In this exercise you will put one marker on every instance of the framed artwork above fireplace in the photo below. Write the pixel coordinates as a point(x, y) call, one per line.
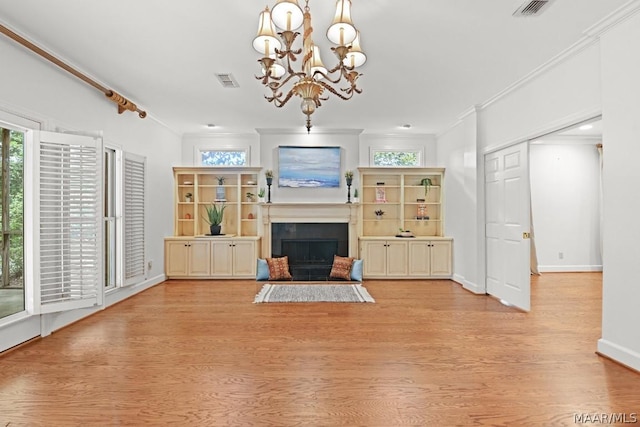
point(307, 167)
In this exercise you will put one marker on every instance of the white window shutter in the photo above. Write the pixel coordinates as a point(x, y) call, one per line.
point(133, 219)
point(70, 208)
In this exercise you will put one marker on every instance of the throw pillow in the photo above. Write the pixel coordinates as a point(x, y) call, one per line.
point(356, 270)
point(341, 268)
point(279, 268)
point(262, 272)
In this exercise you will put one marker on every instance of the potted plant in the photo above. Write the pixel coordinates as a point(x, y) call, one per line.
point(188, 197)
point(349, 177)
point(426, 183)
point(356, 199)
point(250, 196)
point(214, 217)
point(379, 213)
point(261, 193)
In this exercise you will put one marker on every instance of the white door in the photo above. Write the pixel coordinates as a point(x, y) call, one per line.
point(507, 225)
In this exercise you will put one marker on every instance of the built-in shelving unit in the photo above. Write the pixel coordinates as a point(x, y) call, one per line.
point(228, 186)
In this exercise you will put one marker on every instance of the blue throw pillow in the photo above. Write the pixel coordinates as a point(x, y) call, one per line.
point(356, 270)
point(262, 272)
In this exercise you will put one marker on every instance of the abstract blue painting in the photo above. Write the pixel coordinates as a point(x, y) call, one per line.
point(304, 167)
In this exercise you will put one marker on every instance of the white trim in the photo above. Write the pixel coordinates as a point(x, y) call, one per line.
point(569, 268)
point(620, 354)
point(623, 13)
point(315, 131)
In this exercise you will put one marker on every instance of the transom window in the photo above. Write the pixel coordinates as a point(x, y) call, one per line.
point(229, 157)
point(394, 157)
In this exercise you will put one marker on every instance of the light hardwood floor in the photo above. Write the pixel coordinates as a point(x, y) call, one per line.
point(426, 353)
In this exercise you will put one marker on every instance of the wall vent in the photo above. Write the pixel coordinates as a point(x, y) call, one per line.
point(227, 80)
point(532, 8)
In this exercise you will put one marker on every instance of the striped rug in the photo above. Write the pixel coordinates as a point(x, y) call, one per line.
point(271, 292)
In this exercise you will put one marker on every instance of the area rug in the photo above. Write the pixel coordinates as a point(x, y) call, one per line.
point(271, 292)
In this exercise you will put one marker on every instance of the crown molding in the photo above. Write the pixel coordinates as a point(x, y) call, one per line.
point(289, 131)
point(623, 13)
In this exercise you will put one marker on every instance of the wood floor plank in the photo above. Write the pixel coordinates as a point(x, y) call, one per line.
point(426, 353)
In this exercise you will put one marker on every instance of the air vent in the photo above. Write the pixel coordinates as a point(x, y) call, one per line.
point(532, 8)
point(227, 80)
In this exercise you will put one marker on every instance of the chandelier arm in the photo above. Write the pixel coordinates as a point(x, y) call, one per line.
point(277, 101)
point(336, 93)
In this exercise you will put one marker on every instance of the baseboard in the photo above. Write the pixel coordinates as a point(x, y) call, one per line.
point(569, 268)
point(470, 286)
point(619, 354)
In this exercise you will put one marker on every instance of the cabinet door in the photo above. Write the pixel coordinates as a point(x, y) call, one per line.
point(441, 258)
point(419, 259)
point(199, 258)
point(396, 258)
point(244, 258)
point(221, 258)
point(374, 255)
point(176, 258)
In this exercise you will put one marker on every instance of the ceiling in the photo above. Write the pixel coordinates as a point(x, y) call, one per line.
point(428, 61)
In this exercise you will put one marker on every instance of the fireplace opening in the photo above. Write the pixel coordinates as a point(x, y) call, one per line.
point(310, 247)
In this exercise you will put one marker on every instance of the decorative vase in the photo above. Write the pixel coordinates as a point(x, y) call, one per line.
point(378, 216)
point(220, 194)
point(215, 229)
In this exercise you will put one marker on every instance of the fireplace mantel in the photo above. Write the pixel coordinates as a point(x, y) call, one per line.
point(309, 212)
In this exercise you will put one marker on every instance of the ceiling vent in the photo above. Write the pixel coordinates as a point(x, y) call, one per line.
point(532, 8)
point(227, 80)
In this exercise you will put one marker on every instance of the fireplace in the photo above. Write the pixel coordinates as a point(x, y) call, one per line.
point(310, 247)
point(280, 221)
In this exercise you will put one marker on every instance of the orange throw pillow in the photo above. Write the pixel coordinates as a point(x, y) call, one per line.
point(279, 268)
point(341, 268)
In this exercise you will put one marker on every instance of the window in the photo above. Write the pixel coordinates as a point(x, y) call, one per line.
point(134, 229)
point(229, 157)
point(395, 157)
point(12, 296)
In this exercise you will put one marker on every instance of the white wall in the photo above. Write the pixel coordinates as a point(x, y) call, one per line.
point(621, 122)
point(565, 200)
point(34, 88)
point(456, 152)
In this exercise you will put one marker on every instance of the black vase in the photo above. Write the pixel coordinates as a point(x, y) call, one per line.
point(215, 229)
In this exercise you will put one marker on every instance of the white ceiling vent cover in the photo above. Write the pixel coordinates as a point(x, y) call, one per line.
point(227, 80)
point(532, 8)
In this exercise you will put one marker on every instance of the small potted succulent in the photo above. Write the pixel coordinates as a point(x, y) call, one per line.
point(188, 197)
point(250, 197)
point(261, 193)
point(356, 199)
point(379, 213)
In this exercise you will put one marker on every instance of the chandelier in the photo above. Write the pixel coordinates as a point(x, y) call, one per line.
point(313, 78)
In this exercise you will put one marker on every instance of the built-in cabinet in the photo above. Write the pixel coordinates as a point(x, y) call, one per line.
point(191, 253)
point(409, 258)
point(211, 257)
point(411, 199)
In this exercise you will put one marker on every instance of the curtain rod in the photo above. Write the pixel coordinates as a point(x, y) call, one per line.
point(122, 102)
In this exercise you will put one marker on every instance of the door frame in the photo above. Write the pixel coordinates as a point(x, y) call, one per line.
point(553, 127)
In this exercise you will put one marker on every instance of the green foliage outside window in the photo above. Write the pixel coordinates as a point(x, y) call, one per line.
point(14, 230)
point(395, 158)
